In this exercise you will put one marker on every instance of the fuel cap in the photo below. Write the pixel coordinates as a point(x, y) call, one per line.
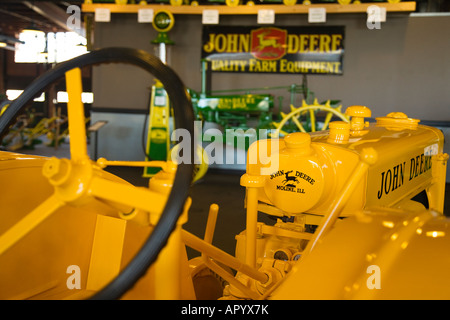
point(339, 132)
point(298, 142)
point(399, 120)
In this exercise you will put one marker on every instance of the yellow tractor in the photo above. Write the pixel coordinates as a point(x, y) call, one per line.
point(347, 224)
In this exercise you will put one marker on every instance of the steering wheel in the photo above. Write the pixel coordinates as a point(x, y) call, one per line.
point(79, 179)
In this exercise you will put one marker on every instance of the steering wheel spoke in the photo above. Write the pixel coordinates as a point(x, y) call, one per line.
point(75, 110)
point(29, 222)
point(129, 197)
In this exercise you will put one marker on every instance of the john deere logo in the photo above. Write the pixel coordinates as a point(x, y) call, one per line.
point(268, 43)
point(295, 191)
point(290, 180)
point(289, 50)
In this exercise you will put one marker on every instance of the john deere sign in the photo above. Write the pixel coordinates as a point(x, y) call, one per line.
point(306, 50)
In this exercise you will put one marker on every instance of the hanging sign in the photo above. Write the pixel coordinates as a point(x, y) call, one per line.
point(287, 50)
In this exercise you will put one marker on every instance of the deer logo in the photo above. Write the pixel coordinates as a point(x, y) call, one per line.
point(267, 42)
point(289, 178)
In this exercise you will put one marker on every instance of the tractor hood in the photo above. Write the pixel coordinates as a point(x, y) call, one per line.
point(377, 254)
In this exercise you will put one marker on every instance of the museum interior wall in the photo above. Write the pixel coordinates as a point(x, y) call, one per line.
point(403, 66)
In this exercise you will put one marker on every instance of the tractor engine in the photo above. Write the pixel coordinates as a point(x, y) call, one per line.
point(315, 180)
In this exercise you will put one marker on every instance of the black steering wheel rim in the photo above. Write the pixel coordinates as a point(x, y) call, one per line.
point(184, 118)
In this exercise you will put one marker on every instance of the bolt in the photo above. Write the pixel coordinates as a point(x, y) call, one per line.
point(56, 170)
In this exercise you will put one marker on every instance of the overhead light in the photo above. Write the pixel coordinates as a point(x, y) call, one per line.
point(3, 44)
point(32, 29)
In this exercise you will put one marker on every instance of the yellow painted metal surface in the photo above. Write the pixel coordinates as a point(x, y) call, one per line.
point(311, 176)
point(390, 254)
point(38, 265)
point(366, 173)
point(75, 111)
point(106, 253)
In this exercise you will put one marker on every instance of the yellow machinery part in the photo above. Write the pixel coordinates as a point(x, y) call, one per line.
point(295, 114)
point(388, 254)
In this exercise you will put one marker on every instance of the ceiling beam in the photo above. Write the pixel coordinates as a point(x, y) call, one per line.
point(22, 17)
point(57, 15)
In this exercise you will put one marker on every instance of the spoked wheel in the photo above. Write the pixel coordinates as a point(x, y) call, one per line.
point(79, 180)
point(296, 113)
point(345, 2)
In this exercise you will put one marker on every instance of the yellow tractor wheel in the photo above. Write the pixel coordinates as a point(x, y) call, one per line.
point(289, 2)
point(232, 3)
point(296, 113)
point(176, 2)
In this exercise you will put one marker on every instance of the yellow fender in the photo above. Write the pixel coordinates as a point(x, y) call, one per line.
point(378, 254)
